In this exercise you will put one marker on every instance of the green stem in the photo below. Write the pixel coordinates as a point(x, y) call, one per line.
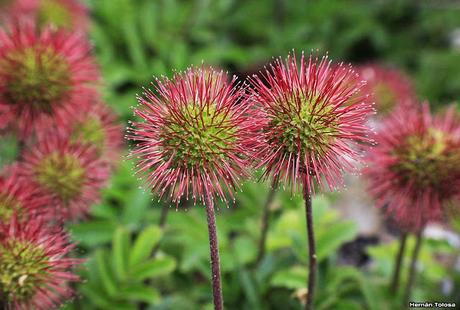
point(215, 260)
point(398, 264)
point(413, 268)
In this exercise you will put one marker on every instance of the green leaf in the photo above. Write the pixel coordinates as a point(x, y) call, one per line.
point(120, 249)
point(329, 240)
point(294, 278)
point(93, 233)
point(106, 277)
point(144, 244)
point(158, 267)
point(139, 293)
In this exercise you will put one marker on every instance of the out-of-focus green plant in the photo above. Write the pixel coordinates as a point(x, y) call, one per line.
point(115, 278)
point(136, 39)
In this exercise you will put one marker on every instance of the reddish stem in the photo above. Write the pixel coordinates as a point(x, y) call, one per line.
point(215, 261)
point(311, 249)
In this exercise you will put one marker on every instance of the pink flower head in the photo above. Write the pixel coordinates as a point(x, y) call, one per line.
point(97, 126)
point(35, 268)
point(18, 198)
point(44, 77)
point(313, 116)
point(66, 14)
point(195, 135)
point(69, 175)
point(415, 168)
point(388, 88)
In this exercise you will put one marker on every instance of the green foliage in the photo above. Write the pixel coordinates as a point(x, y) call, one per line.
point(136, 39)
point(121, 277)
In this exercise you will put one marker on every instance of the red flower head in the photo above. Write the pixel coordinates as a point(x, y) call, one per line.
point(67, 14)
point(313, 115)
point(195, 135)
point(44, 77)
point(35, 269)
point(69, 175)
point(388, 88)
point(415, 168)
point(97, 126)
point(18, 198)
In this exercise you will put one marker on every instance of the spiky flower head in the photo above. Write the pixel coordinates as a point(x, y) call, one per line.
point(44, 77)
point(64, 14)
point(97, 126)
point(195, 135)
point(313, 116)
point(388, 87)
point(18, 198)
point(35, 268)
point(415, 168)
point(69, 175)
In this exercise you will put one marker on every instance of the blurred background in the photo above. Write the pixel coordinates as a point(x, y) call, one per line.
point(135, 40)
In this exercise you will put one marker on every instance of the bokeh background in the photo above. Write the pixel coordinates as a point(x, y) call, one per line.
point(135, 40)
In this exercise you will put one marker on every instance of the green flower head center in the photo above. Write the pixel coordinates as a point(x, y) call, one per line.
point(385, 97)
point(23, 266)
point(55, 13)
point(36, 77)
point(90, 131)
point(8, 206)
point(426, 161)
point(5, 3)
point(61, 174)
point(304, 128)
point(203, 136)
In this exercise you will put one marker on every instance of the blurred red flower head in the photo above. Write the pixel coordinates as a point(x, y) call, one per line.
point(195, 136)
point(18, 198)
point(44, 77)
point(415, 168)
point(64, 14)
point(35, 268)
point(96, 125)
point(70, 176)
point(312, 116)
point(388, 87)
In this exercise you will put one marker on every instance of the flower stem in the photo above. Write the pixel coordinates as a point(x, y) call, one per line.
point(413, 265)
point(311, 249)
point(215, 261)
point(265, 221)
point(398, 264)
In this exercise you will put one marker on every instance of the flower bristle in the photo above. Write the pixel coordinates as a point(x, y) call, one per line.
point(45, 77)
point(196, 135)
point(415, 168)
point(313, 117)
point(35, 267)
point(388, 88)
point(70, 176)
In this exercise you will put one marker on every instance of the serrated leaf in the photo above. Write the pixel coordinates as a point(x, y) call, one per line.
point(144, 244)
point(139, 293)
point(329, 240)
point(106, 276)
point(295, 278)
point(158, 267)
point(93, 233)
point(120, 249)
